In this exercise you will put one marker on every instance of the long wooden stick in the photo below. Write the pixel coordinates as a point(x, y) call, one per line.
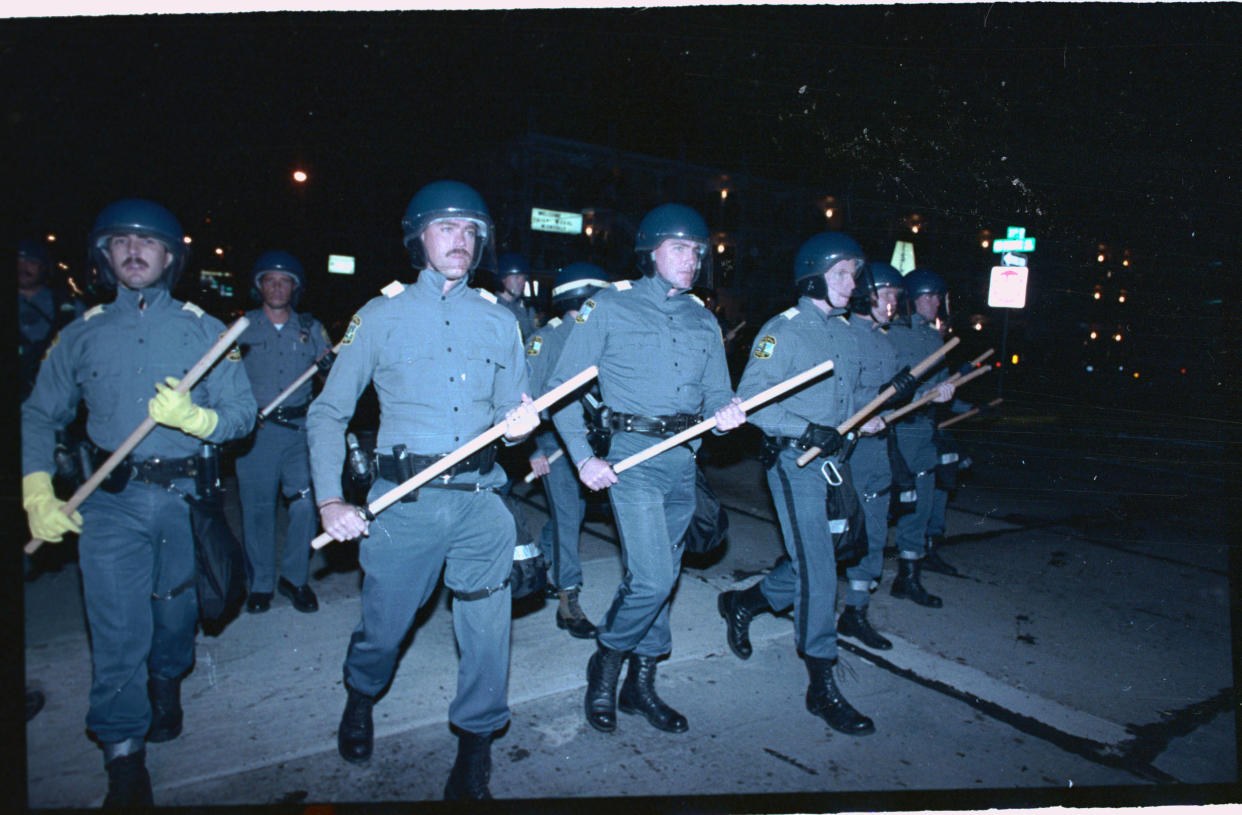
point(560, 451)
point(297, 383)
point(956, 380)
point(148, 424)
point(477, 443)
point(707, 424)
point(963, 416)
point(884, 396)
point(977, 361)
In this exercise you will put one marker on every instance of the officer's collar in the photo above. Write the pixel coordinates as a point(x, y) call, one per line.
point(153, 296)
point(657, 287)
point(808, 304)
point(432, 282)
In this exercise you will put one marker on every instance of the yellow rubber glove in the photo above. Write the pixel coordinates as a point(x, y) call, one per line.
point(175, 409)
point(47, 522)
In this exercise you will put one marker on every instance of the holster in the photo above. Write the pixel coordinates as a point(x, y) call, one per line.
point(403, 465)
point(769, 451)
point(599, 429)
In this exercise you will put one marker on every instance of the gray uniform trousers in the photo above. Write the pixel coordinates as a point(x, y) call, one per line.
point(652, 504)
point(914, 440)
point(136, 553)
point(872, 476)
point(471, 535)
point(277, 463)
point(560, 535)
point(808, 580)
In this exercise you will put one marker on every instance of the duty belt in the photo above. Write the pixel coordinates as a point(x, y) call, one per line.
point(285, 415)
point(163, 471)
point(396, 470)
point(652, 425)
point(790, 441)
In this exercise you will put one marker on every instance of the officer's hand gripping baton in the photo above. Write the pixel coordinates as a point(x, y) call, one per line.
point(702, 427)
point(560, 451)
point(297, 383)
point(148, 424)
point(964, 416)
point(957, 380)
point(477, 443)
point(884, 396)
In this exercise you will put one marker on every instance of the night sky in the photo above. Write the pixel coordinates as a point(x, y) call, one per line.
point(1084, 123)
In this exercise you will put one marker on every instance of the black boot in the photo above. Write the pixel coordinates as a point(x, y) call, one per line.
point(932, 561)
point(825, 700)
point(906, 584)
point(570, 617)
point(638, 695)
point(165, 695)
point(356, 736)
point(129, 785)
point(737, 608)
point(603, 670)
point(853, 623)
point(468, 779)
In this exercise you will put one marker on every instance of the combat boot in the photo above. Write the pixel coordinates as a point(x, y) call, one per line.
point(603, 670)
point(356, 736)
point(853, 623)
point(638, 695)
point(906, 584)
point(129, 784)
point(932, 561)
point(824, 699)
point(570, 617)
point(165, 696)
point(470, 773)
point(737, 608)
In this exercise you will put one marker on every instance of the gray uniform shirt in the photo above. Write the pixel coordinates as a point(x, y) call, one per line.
point(793, 341)
point(112, 357)
point(524, 314)
point(878, 355)
point(657, 356)
point(275, 357)
point(913, 344)
point(543, 349)
point(446, 367)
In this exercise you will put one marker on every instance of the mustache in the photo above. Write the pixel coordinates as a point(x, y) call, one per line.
point(137, 263)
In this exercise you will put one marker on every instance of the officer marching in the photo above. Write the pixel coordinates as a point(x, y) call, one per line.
point(135, 548)
point(573, 286)
point(447, 363)
point(512, 274)
point(661, 364)
point(277, 347)
point(803, 336)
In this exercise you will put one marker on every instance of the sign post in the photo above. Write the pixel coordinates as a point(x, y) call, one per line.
point(1008, 285)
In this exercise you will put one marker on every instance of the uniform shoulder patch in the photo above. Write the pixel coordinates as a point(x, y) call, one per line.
point(765, 347)
point(536, 344)
point(696, 299)
point(234, 354)
point(393, 289)
point(193, 309)
point(351, 329)
point(584, 313)
point(92, 312)
point(554, 322)
point(790, 312)
point(622, 285)
point(487, 295)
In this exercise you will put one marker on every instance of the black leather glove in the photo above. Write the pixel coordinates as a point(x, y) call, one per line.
point(324, 363)
point(826, 438)
point(905, 384)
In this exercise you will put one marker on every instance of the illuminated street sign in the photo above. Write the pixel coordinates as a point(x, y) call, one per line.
point(1015, 241)
point(340, 264)
point(550, 220)
point(903, 257)
point(1008, 288)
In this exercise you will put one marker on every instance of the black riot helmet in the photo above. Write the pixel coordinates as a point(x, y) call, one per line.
point(819, 254)
point(877, 275)
point(443, 200)
point(283, 263)
point(925, 281)
point(575, 283)
point(673, 221)
point(141, 217)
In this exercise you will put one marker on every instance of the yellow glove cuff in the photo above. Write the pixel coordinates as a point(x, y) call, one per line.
point(203, 422)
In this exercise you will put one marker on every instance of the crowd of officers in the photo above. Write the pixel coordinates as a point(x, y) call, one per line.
point(448, 362)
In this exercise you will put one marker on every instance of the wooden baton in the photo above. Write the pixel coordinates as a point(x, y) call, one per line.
point(477, 443)
point(148, 424)
point(956, 380)
point(560, 451)
point(963, 416)
point(707, 424)
point(297, 383)
point(881, 398)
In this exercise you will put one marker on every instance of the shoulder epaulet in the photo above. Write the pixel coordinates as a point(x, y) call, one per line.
point(790, 312)
point(487, 295)
point(696, 299)
point(193, 309)
point(554, 322)
point(622, 285)
point(91, 312)
point(392, 289)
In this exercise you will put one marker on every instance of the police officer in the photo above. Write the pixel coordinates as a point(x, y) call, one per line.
point(925, 290)
point(799, 338)
point(277, 348)
point(573, 286)
point(513, 272)
point(446, 362)
point(135, 547)
point(42, 309)
point(661, 363)
point(878, 299)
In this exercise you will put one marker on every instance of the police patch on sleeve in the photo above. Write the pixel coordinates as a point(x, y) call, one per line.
point(765, 347)
point(536, 343)
point(352, 329)
point(234, 354)
point(585, 311)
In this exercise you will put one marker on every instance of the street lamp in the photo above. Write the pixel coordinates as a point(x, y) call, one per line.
point(299, 176)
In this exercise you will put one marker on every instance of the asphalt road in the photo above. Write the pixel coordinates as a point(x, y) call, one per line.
point(1084, 658)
